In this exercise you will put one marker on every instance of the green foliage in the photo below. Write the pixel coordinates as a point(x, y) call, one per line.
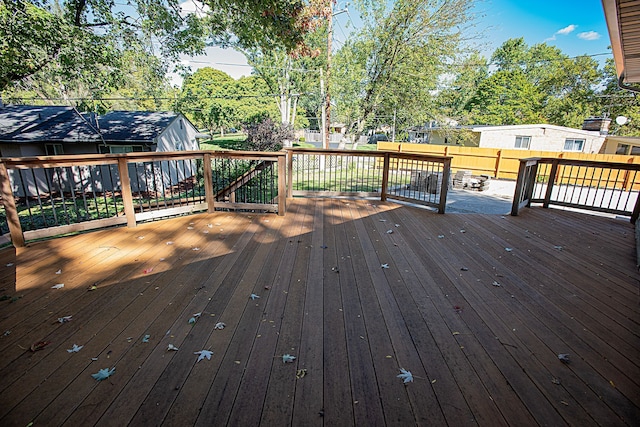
point(266, 135)
point(532, 84)
point(92, 48)
point(395, 61)
point(213, 100)
point(506, 97)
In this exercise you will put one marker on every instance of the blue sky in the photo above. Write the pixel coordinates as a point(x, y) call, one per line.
point(576, 27)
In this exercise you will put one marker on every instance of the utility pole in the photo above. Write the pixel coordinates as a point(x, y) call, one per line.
point(327, 100)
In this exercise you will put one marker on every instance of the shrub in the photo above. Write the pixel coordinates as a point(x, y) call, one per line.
point(266, 135)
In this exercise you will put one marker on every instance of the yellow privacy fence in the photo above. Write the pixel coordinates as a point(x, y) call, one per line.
point(498, 163)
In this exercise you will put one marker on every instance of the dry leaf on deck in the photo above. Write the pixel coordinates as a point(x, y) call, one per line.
point(406, 376)
point(203, 353)
point(103, 374)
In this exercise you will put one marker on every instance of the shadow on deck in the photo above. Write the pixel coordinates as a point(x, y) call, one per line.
point(476, 307)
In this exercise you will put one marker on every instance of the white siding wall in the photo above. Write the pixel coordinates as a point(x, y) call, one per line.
point(542, 138)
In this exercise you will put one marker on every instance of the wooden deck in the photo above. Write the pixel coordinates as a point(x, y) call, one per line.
point(476, 307)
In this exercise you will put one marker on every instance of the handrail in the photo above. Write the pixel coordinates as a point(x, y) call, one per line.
point(52, 195)
point(71, 193)
point(608, 187)
point(415, 178)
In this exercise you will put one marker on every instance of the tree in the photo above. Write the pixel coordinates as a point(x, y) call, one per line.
point(394, 62)
point(266, 135)
point(506, 98)
point(80, 45)
point(619, 102)
point(460, 86)
point(214, 100)
point(562, 90)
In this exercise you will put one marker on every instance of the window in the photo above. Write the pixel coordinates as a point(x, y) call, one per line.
point(573, 144)
point(523, 142)
point(622, 149)
point(118, 149)
point(53, 149)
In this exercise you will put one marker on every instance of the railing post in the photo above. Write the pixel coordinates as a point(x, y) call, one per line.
point(551, 182)
point(127, 196)
point(385, 177)
point(208, 183)
point(13, 220)
point(524, 185)
point(498, 159)
point(290, 174)
point(444, 186)
point(282, 185)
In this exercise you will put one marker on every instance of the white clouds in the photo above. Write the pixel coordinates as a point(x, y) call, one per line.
point(566, 30)
point(585, 35)
point(193, 6)
point(562, 31)
point(589, 35)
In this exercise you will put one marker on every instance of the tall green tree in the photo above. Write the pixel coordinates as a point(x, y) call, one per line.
point(213, 100)
point(393, 63)
point(82, 46)
point(561, 90)
point(506, 97)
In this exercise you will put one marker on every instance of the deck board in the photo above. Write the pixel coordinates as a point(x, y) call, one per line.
point(480, 353)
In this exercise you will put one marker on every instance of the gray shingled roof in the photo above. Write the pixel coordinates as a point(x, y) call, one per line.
point(25, 124)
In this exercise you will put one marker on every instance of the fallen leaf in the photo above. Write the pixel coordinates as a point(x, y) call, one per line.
point(406, 376)
point(76, 348)
point(103, 374)
point(172, 347)
point(203, 354)
point(384, 265)
point(219, 325)
point(58, 286)
point(64, 319)
point(287, 358)
point(39, 345)
point(254, 296)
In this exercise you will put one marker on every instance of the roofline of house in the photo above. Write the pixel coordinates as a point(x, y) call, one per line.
point(482, 128)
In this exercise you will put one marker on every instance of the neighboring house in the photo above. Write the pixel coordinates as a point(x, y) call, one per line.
point(625, 145)
point(540, 137)
point(37, 131)
point(54, 130)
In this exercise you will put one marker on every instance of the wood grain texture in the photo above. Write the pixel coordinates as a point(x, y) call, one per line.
point(477, 307)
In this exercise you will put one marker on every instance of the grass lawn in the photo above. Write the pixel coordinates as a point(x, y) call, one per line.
point(232, 141)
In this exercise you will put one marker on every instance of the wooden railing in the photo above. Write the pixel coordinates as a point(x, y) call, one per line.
point(587, 185)
point(413, 178)
point(46, 196)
